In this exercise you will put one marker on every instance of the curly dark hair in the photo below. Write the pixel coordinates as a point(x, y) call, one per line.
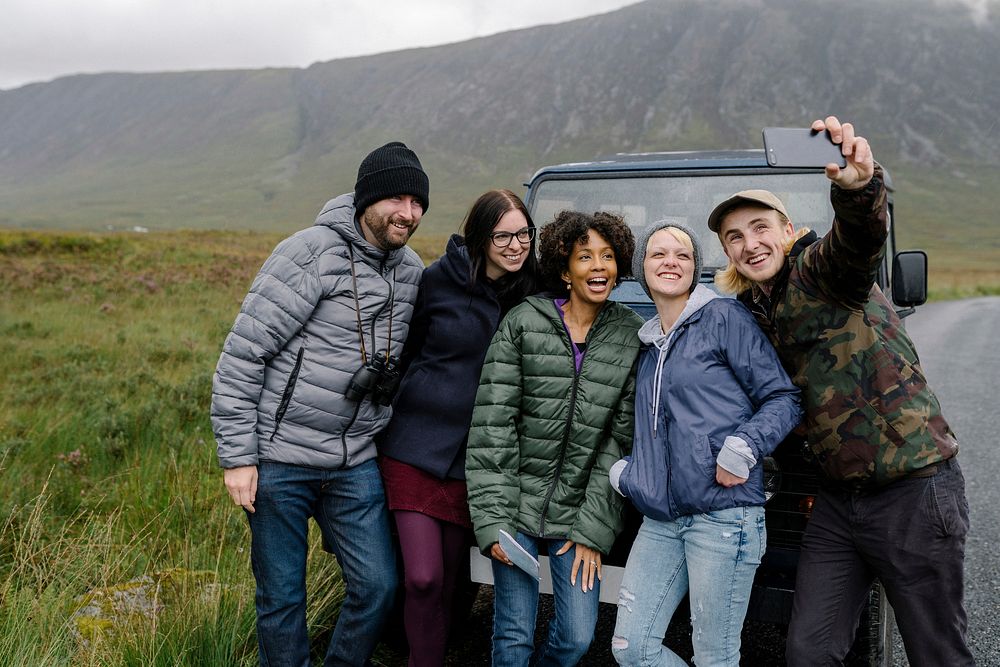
point(558, 238)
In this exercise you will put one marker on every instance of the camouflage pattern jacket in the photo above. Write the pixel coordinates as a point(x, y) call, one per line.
point(869, 415)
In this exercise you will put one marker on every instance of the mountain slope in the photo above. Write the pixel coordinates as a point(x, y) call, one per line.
point(263, 149)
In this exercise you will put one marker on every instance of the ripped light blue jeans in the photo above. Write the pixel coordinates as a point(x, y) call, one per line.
point(714, 556)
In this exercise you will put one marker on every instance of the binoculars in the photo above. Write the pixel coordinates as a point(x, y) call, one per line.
point(378, 379)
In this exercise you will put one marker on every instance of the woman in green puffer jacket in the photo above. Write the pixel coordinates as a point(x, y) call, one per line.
point(553, 413)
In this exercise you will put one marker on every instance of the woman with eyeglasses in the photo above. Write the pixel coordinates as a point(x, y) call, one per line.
point(553, 413)
point(463, 296)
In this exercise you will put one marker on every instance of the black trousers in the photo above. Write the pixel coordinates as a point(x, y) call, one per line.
point(911, 536)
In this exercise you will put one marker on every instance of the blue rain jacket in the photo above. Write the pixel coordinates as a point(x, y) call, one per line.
point(713, 375)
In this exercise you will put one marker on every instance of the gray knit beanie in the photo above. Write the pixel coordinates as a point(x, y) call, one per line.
point(642, 241)
point(390, 170)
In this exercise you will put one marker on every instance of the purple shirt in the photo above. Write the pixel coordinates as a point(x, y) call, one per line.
point(578, 350)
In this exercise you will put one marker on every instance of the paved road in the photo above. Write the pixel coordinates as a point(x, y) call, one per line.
point(959, 348)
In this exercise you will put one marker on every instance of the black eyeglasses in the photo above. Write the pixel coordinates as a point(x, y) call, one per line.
point(503, 239)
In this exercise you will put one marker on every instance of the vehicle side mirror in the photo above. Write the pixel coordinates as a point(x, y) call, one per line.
point(909, 278)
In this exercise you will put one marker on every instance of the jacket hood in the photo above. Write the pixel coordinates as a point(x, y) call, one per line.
point(542, 302)
point(652, 334)
point(339, 215)
point(806, 237)
point(456, 263)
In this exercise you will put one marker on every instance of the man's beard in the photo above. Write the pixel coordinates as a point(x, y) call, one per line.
point(378, 225)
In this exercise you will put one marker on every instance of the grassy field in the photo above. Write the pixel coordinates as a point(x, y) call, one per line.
point(951, 217)
point(107, 461)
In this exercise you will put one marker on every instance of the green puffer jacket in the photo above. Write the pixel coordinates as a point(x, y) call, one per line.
point(870, 417)
point(544, 437)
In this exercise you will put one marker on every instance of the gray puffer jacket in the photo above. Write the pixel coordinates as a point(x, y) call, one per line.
point(278, 390)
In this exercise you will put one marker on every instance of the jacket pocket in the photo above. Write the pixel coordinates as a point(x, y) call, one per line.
point(646, 480)
point(948, 508)
point(286, 395)
point(705, 456)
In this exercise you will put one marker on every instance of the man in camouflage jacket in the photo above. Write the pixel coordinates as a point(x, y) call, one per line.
point(892, 504)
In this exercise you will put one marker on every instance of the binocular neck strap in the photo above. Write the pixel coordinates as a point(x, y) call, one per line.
point(357, 310)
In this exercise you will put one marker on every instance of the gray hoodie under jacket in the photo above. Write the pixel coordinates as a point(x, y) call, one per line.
point(278, 390)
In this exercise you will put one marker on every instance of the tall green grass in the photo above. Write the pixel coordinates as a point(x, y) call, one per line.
point(107, 460)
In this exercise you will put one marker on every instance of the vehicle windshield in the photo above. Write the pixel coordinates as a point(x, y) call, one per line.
point(684, 199)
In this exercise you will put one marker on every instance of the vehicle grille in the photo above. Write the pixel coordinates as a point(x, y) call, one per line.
point(789, 508)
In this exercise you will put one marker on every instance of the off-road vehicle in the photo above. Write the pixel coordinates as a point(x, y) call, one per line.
point(684, 187)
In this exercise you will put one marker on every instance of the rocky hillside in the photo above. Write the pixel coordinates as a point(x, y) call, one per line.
point(263, 149)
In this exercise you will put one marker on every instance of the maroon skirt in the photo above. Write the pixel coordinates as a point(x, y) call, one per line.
point(413, 490)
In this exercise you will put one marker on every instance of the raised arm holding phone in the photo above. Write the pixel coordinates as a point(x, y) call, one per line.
point(892, 502)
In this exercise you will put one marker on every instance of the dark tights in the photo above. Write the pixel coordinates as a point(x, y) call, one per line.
point(432, 558)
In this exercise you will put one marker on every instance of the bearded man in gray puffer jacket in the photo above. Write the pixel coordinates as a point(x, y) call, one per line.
point(298, 397)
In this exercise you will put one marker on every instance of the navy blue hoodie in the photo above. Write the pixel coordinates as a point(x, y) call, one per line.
point(450, 332)
point(712, 376)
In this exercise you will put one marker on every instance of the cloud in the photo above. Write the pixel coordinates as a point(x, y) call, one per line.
point(979, 10)
point(43, 39)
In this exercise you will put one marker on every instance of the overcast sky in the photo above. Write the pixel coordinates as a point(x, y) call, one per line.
point(44, 39)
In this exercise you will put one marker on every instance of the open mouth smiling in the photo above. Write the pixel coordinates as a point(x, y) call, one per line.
point(597, 283)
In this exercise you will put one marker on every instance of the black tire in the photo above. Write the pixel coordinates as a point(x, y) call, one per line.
point(873, 641)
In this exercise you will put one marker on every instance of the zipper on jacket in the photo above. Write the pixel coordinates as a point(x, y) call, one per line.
point(286, 396)
point(343, 434)
point(378, 313)
point(388, 345)
point(569, 419)
point(562, 452)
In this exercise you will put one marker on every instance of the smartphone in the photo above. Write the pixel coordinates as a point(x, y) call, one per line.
point(800, 147)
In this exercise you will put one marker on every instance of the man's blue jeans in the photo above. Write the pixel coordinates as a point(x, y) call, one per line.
point(715, 556)
point(515, 610)
point(349, 506)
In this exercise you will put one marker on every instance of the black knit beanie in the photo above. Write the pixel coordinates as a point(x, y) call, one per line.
point(390, 170)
